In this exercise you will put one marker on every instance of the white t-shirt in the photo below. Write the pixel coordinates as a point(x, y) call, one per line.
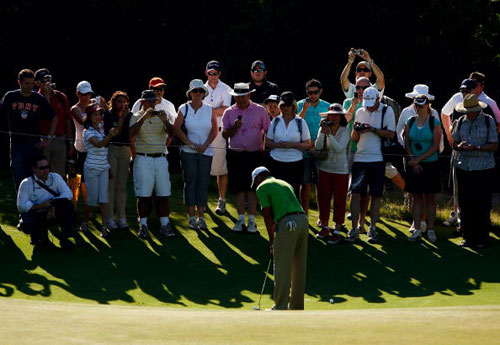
point(458, 97)
point(97, 157)
point(198, 125)
point(290, 133)
point(406, 113)
point(369, 144)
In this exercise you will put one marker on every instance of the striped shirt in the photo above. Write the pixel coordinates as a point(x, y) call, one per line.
point(97, 157)
point(151, 135)
point(475, 132)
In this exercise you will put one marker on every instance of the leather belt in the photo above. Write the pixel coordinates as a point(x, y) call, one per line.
point(152, 155)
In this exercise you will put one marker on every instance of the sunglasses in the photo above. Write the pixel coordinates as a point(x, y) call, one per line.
point(158, 88)
point(198, 91)
point(44, 167)
point(258, 70)
point(315, 92)
point(359, 87)
point(465, 91)
point(362, 69)
point(213, 74)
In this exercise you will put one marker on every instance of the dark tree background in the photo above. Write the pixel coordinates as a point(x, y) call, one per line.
point(120, 45)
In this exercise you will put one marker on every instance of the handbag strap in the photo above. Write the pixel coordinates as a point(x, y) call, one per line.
point(47, 188)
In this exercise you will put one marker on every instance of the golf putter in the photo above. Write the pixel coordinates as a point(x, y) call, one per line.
point(263, 285)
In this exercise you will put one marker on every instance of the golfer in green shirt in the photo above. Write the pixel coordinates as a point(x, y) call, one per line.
point(287, 227)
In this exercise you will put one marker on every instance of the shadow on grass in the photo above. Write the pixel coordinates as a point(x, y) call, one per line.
point(217, 267)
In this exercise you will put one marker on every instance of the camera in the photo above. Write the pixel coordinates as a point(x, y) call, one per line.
point(155, 113)
point(327, 123)
point(357, 51)
point(418, 146)
point(239, 117)
point(358, 126)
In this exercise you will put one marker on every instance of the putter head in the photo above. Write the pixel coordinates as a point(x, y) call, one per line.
point(255, 307)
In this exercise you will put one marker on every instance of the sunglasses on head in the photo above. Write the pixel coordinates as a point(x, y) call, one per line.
point(359, 87)
point(313, 92)
point(362, 69)
point(44, 167)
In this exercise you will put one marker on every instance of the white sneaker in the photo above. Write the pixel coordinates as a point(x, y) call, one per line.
point(412, 227)
point(431, 236)
point(104, 232)
point(353, 235)
point(415, 236)
point(192, 223)
point(451, 220)
point(252, 227)
point(239, 226)
point(111, 224)
point(423, 225)
point(221, 207)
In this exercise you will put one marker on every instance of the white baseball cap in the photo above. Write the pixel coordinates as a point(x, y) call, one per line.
point(84, 87)
point(256, 172)
point(370, 97)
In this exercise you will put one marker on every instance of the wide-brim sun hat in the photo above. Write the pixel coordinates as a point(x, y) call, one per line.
point(420, 89)
point(196, 84)
point(334, 108)
point(241, 89)
point(470, 104)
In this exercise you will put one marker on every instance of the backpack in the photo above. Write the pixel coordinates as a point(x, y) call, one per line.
point(297, 120)
point(391, 149)
point(394, 105)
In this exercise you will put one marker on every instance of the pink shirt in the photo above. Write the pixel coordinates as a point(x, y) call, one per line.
point(255, 123)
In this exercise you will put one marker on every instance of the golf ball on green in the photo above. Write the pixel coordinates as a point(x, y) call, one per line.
point(332, 301)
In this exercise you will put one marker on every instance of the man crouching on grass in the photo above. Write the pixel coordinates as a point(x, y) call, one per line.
point(287, 228)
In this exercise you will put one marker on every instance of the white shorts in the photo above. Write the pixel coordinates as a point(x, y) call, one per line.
point(151, 174)
point(390, 171)
point(219, 162)
point(96, 182)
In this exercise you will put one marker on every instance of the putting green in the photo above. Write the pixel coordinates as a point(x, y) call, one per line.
point(25, 322)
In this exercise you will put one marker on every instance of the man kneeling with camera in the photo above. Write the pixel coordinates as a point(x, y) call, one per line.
point(44, 199)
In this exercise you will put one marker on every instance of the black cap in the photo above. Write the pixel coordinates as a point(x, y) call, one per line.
point(468, 84)
point(272, 98)
point(258, 64)
point(214, 64)
point(148, 95)
point(42, 74)
point(287, 98)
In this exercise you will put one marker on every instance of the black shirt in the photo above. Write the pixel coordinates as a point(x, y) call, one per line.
point(23, 115)
point(110, 120)
point(263, 91)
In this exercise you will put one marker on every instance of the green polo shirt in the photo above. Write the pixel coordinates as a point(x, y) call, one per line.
point(278, 195)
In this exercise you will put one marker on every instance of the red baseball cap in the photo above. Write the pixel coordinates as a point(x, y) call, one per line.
point(156, 81)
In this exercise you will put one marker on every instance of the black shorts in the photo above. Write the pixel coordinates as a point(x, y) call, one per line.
point(426, 182)
point(240, 165)
point(291, 172)
point(80, 160)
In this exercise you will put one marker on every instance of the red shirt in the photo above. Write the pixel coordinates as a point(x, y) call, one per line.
point(60, 104)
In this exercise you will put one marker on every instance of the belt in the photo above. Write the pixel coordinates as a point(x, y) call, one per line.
point(119, 144)
point(290, 214)
point(152, 155)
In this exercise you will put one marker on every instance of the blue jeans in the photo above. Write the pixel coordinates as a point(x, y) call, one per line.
point(21, 160)
point(196, 170)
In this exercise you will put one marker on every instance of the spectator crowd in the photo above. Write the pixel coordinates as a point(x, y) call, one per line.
point(60, 152)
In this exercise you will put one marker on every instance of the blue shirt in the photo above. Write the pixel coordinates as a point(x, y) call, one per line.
point(424, 137)
point(312, 116)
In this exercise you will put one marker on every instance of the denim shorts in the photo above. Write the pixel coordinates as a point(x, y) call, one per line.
point(368, 174)
point(310, 170)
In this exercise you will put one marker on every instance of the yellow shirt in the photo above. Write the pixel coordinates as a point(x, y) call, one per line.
point(151, 136)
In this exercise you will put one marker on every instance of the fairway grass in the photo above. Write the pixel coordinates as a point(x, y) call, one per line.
point(25, 322)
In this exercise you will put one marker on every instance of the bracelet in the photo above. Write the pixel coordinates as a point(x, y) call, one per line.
point(370, 62)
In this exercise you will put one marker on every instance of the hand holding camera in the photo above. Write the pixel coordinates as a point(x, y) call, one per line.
point(362, 127)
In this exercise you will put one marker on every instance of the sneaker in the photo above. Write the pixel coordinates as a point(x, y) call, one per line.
point(239, 226)
point(104, 232)
point(372, 235)
point(452, 219)
point(353, 235)
point(362, 230)
point(349, 216)
point(252, 227)
point(202, 224)
point(412, 228)
point(415, 235)
point(344, 229)
point(111, 224)
point(166, 230)
point(143, 232)
point(192, 223)
point(84, 227)
point(324, 233)
point(431, 236)
point(423, 225)
point(221, 207)
point(122, 224)
point(333, 238)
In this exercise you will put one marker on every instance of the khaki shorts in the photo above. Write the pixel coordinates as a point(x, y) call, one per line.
point(219, 162)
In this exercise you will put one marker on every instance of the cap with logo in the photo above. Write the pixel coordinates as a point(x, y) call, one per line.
point(370, 97)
